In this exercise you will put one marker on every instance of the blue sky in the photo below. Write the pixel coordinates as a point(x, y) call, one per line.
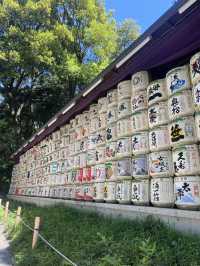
point(144, 12)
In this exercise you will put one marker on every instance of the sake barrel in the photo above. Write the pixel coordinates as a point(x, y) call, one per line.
point(195, 68)
point(124, 90)
point(140, 166)
point(111, 148)
point(112, 97)
point(79, 192)
point(196, 96)
point(110, 191)
point(124, 127)
point(140, 193)
point(123, 147)
point(159, 138)
point(102, 120)
point(123, 191)
point(102, 105)
point(83, 159)
point(124, 107)
point(65, 194)
point(98, 190)
point(111, 132)
point(124, 168)
point(158, 114)
point(101, 137)
point(88, 192)
point(92, 141)
point(93, 111)
point(111, 170)
point(93, 172)
point(94, 124)
point(139, 81)
point(112, 114)
point(139, 121)
point(186, 160)
point(178, 79)
point(162, 192)
point(140, 143)
point(187, 191)
point(160, 164)
point(77, 161)
point(91, 157)
point(139, 101)
point(100, 172)
point(100, 154)
point(156, 91)
point(180, 104)
point(197, 125)
point(182, 131)
point(83, 145)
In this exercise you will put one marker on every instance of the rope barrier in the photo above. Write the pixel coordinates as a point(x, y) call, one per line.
point(46, 242)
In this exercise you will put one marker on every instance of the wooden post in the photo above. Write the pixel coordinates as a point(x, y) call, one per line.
point(0, 202)
point(35, 232)
point(17, 219)
point(6, 210)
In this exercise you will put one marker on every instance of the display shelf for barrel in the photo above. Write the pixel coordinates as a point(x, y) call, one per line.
point(110, 191)
point(140, 167)
point(139, 121)
point(158, 114)
point(160, 164)
point(195, 68)
point(139, 101)
point(123, 191)
point(178, 79)
point(139, 81)
point(182, 131)
point(186, 160)
point(162, 192)
point(180, 104)
point(124, 90)
point(187, 191)
point(140, 193)
point(124, 168)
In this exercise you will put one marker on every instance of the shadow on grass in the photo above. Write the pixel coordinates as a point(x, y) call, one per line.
point(91, 240)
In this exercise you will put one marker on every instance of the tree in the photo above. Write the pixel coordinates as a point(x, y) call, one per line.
point(48, 49)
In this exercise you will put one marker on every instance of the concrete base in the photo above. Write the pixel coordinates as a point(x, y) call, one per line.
point(181, 220)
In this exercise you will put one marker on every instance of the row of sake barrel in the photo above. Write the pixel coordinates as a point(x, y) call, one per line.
point(181, 161)
point(163, 192)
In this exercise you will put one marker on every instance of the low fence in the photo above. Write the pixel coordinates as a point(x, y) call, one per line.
point(35, 230)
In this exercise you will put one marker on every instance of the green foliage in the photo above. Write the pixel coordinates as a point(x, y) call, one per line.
point(48, 48)
point(91, 240)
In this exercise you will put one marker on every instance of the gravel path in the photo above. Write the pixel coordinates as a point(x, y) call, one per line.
point(5, 255)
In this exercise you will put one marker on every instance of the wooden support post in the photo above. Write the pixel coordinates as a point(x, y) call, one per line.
point(0, 202)
point(6, 211)
point(35, 232)
point(17, 219)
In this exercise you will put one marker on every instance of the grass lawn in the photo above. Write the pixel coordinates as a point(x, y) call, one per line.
point(89, 239)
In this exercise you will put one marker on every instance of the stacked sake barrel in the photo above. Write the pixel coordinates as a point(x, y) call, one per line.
point(140, 139)
point(160, 157)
